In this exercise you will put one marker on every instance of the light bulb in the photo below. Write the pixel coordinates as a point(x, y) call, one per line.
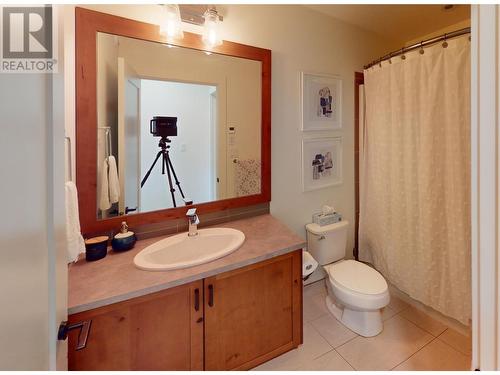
point(170, 24)
point(211, 28)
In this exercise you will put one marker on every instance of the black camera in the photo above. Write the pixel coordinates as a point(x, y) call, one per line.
point(161, 126)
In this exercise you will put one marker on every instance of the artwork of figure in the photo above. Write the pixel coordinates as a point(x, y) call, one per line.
point(322, 165)
point(325, 102)
point(321, 162)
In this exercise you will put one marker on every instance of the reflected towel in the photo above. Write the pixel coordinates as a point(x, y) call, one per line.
point(104, 203)
point(74, 239)
point(248, 177)
point(114, 183)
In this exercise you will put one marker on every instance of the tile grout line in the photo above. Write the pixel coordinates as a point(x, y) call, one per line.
point(455, 349)
point(319, 332)
point(349, 363)
point(434, 338)
point(422, 328)
point(333, 348)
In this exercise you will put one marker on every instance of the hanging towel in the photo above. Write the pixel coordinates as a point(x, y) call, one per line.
point(104, 203)
point(114, 183)
point(74, 239)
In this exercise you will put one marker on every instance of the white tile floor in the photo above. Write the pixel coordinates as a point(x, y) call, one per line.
point(411, 340)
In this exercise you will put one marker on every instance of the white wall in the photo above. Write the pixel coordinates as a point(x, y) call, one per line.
point(190, 151)
point(300, 39)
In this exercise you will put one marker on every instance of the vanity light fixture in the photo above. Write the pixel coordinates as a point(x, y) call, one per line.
point(170, 24)
point(211, 28)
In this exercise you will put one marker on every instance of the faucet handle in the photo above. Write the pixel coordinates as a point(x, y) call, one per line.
point(191, 212)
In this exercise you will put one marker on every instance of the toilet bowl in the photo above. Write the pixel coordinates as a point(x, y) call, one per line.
point(356, 295)
point(356, 291)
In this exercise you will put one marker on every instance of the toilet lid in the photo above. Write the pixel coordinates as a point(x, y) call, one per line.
point(357, 277)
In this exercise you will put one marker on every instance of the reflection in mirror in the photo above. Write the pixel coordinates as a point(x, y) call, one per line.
point(190, 118)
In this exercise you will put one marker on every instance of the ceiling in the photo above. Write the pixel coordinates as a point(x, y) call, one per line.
point(400, 23)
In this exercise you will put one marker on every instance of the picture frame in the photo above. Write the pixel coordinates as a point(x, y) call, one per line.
point(321, 102)
point(321, 162)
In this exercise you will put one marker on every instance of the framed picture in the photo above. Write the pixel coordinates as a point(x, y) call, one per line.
point(321, 162)
point(321, 102)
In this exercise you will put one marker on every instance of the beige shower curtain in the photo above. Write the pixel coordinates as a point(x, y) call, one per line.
point(415, 176)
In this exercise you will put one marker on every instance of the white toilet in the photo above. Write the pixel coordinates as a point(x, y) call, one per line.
point(356, 292)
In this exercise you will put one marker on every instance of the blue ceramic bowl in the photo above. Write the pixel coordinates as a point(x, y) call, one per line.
point(123, 244)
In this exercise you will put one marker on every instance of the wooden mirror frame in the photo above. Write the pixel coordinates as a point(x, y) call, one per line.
point(87, 24)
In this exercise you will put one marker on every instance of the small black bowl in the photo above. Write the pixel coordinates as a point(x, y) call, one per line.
point(96, 248)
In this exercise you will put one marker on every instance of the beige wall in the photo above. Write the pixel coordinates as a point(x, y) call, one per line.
point(448, 29)
point(301, 40)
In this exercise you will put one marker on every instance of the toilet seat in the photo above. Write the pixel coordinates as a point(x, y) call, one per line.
point(357, 277)
point(357, 285)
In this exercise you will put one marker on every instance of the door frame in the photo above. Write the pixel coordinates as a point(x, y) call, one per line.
point(485, 186)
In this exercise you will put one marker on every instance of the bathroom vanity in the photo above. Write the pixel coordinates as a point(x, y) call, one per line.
point(230, 314)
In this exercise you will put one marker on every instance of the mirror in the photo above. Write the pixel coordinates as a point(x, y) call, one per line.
point(216, 156)
point(175, 126)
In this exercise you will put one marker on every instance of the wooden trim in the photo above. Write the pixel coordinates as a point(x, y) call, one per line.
point(87, 24)
point(359, 79)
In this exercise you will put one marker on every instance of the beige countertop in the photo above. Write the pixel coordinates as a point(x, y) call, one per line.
point(115, 278)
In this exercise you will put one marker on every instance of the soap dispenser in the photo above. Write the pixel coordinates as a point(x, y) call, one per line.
point(125, 240)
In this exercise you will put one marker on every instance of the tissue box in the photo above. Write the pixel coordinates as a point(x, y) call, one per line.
point(325, 219)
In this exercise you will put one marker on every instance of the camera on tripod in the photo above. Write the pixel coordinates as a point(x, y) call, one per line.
point(162, 126)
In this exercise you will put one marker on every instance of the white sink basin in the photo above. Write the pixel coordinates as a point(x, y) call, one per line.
point(181, 251)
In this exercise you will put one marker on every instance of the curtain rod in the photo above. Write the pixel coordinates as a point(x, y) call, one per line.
point(423, 43)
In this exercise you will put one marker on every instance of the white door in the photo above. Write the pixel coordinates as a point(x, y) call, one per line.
point(129, 93)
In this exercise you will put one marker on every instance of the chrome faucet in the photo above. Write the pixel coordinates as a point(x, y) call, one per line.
point(193, 222)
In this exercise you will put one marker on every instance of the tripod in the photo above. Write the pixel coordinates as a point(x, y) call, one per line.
point(166, 164)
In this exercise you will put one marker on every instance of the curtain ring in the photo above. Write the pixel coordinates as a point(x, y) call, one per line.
point(390, 58)
point(380, 62)
point(403, 57)
point(421, 51)
point(445, 43)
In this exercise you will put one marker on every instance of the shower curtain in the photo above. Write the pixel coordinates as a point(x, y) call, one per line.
point(415, 176)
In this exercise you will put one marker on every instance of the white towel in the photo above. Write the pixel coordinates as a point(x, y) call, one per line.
point(74, 238)
point(104, 203)
point(114, 183)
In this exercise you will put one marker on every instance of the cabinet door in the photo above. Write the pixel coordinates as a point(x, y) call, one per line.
point(254, 313)
point(160, 331)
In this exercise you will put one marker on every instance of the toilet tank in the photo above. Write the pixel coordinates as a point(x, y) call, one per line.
point(327, 244)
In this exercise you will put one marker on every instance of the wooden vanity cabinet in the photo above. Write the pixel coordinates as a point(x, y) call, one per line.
point(231, 321)
point(253, 314)
point(159, 331)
